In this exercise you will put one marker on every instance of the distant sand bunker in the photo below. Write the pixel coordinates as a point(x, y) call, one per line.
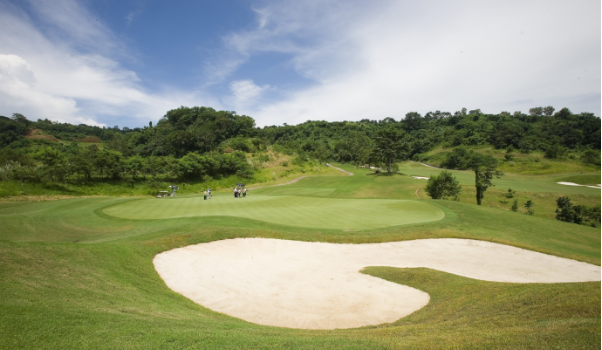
point(574, 184)
point(319, 286)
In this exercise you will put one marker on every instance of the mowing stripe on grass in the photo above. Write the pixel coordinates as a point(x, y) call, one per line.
point(328, 213)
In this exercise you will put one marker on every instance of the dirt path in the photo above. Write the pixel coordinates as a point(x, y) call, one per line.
point(430, 166)
point(283, 184)
point(298, 179)
point(343, 170)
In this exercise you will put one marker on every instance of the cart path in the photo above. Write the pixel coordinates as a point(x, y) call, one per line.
point(298, 179)
point(286, 183)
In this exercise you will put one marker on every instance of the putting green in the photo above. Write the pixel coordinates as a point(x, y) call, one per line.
point(327, 213)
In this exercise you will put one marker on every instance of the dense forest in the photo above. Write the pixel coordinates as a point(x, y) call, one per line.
point(193, 143)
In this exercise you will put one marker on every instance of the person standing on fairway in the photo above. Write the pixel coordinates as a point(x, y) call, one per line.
point(244, 191)
point(204, 195)
point(210, 196)
point(235, 192)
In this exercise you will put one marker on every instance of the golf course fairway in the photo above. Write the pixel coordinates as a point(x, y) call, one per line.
point(299, 211)
point(97, 272)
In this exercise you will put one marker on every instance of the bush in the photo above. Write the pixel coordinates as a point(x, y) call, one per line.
point(591, 157)
point(459, 158)
point(529, 205)
point(443, 186)
point(578, 214)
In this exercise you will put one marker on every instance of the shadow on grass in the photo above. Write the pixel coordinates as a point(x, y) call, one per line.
point(386, 174)
point(499, 315)
point(58, 187)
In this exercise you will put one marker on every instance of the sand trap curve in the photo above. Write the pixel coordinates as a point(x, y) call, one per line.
point(318, 285)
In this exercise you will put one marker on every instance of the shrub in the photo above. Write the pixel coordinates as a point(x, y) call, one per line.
point(529, 205)
point(578, 214)
point(443, 186)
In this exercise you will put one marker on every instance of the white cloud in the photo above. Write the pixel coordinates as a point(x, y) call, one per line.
point(245, 95)
point(54, 78)
point(246, 90)
point(386, 60)
point(18, 91)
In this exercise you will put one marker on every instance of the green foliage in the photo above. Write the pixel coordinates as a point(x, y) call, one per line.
point(11, 130)
point(529, 206)
point(578, 214)
point(591, 157)
point(443, 186)
point(514, 207)
point(390, 146)
point(156, 150)
point(460, 158)
point(485, 168)
point(354, 147)
point(509, 156)
point(510, 193)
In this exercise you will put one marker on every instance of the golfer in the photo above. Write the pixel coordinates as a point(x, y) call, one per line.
point(204, 195)
point(244, 191)
point(210, 196)
point(235, 192)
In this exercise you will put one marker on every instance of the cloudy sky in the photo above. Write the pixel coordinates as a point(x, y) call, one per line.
point(127, 62)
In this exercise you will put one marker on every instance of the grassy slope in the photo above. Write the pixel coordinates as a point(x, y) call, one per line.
point(103, 292)
point(541, 189)
point(533, 163)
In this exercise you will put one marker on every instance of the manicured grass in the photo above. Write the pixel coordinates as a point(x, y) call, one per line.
point(73, 276)
point(327, 213)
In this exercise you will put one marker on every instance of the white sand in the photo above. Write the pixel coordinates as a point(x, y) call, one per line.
point(420, 177)
point(318, 285)
point(574, 184)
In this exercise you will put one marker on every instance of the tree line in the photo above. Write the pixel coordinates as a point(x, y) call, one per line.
point(188, 142)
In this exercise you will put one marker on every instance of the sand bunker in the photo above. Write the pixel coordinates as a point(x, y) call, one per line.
point(319, 286)
point(574, 184)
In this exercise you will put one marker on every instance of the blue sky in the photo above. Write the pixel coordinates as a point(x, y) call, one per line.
point(127, 62)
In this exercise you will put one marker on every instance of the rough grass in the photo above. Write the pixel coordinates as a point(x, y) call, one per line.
point(525, 164)
point(74, 277)
point(543, 190)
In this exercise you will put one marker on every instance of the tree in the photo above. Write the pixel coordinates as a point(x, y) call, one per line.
point(390, 145)
point(509, 156)
point(578, 214)
point(20, 118)
point(548, 111)
point(413, 121)
point(514, 207)
point(591, 157)
point(529, 205)
point(54, 164)
point(485, 168)
point(358, 146)
point(536, 111)
point(443, 186)
point(564, 210)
